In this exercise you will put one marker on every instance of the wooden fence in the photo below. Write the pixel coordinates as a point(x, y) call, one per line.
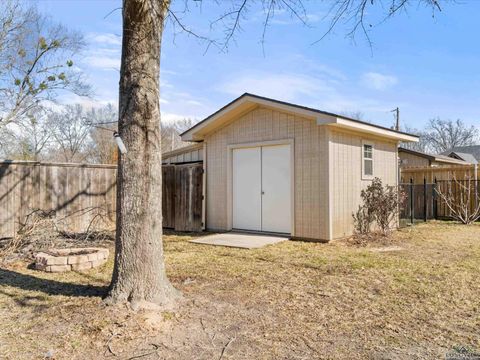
point(182, 195)
point(423, 201)
point(79, 196)
point(82, 197)
point(429, 174)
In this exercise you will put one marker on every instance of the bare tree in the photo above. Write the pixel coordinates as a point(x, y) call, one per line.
point(35, 61)
point(33, 135)
point(139, 272)
point(443, 135)
point(171, 139)
point(422, 145)
point(104, 122)
point(71, 133)
point(357, 115)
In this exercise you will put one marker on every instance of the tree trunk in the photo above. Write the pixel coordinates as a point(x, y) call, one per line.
point(139, 273)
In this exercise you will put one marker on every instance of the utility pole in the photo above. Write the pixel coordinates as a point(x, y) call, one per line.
point(397, 118)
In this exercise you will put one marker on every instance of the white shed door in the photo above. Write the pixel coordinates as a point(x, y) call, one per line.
point(276, 189)
point(247, 180)
point(261, 189)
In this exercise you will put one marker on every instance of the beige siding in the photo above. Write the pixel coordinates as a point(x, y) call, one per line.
point(310, 167)
point(346, 175)
point(413, 160)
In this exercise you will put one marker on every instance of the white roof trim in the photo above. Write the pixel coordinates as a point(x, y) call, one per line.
point(248, 102)
point(374, 130)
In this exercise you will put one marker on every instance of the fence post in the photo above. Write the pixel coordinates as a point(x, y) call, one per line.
point(424, 199)
point(434, 199)
point(412, 203)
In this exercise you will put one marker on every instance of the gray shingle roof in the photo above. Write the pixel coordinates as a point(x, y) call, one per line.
point(470, 154)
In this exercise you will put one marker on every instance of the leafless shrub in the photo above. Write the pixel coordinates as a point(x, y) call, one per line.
point(462, 199)
point(39, 225)
point(41, 230)
point(362, 220)
point(380, 206)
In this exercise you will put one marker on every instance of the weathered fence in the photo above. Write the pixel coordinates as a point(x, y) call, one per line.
point(182, 197)
point(424, 201)
point(78, 196)
point(429, 174)
point(82, 197)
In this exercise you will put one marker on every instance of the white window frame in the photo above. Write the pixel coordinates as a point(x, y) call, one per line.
point(365, 176)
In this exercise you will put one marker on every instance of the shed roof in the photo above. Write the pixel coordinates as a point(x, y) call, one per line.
point(247, 102)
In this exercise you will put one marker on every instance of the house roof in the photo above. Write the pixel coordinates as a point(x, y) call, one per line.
point(436, 158)
point(182, 150)
point(463, 156)
point(467, 153)
point(248, 102)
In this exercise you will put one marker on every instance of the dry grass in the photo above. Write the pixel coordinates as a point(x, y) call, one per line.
point(292, 300)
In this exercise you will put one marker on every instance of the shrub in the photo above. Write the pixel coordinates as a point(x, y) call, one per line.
point(362, 221)
point(380, 206)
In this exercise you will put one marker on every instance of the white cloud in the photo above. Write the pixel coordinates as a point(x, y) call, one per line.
point(288, 87)
point(102, 58)
point(103, 62)
point(324, 91)
point(377, 81)
point(105, 38)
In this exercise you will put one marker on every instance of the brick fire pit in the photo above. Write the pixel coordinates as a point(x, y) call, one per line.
point(61, 260)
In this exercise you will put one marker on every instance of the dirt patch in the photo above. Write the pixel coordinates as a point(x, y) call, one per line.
point(292, 300)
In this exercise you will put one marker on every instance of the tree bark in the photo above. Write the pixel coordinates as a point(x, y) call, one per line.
point(139, 275)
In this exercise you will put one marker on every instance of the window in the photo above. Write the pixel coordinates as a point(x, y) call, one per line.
point(367, 160)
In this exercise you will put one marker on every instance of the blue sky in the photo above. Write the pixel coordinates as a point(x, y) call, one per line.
point(427, 66)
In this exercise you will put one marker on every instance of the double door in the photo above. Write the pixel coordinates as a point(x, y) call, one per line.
point(262, 188)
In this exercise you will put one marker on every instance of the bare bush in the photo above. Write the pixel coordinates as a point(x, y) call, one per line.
point(462, 199)
point(380, 206)
point(362, 220)
point(41, 230)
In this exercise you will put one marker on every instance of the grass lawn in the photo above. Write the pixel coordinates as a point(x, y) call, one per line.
point(416, 297)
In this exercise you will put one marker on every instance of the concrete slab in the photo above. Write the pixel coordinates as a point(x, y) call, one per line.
point(239, 240)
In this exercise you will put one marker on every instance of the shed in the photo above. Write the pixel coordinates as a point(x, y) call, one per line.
point(277, 167)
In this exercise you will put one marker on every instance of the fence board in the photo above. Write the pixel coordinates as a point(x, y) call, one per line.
point(168, 196)
point(76, 192)
point(429, 174)
point(188, 201)
point(84, 196)
point(426, 203)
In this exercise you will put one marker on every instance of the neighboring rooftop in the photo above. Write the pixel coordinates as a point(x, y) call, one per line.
point(469, 154)
point(435, 158)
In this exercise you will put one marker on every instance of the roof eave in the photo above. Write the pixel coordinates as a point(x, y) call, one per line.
point(374, 130)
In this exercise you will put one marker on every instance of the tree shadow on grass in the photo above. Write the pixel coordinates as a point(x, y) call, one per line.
point(49, 287)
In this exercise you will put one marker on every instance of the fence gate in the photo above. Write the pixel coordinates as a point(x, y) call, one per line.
point(182, 197)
